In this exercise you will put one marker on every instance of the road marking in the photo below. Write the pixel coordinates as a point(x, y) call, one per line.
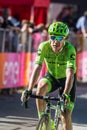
point(26, 123)
point(18, 122)
point(83, 96)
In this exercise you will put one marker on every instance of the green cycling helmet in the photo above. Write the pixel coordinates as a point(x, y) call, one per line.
point(58, 28)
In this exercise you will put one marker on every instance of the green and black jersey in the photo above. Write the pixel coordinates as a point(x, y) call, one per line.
point(57, 63)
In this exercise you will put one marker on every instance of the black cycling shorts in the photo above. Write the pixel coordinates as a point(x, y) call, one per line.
point(60, 84)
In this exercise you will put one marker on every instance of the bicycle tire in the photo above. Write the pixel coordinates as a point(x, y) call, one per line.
point(59, 124)
point(43, 123)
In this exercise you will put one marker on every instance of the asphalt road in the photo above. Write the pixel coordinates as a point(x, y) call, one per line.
point(15, 117)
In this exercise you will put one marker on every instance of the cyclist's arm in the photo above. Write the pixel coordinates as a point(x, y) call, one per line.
point(37, 68)
point(33, 79)
point(69, 80)
point(70, 70)
point(34, 76)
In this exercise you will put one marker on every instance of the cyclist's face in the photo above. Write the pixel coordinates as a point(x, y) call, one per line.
point(56, 43)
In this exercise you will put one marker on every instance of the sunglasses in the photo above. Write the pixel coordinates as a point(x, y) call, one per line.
point(58, 38)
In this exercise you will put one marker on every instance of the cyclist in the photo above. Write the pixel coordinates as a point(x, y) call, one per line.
point(60, 58)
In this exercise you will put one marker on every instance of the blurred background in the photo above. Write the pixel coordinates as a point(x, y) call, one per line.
point(23, 26)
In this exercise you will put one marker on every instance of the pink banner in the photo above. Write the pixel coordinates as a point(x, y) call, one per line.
point(16, 69)
point(10, 73)
point(82, 66)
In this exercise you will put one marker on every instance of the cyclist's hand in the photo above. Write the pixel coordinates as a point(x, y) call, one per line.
point(66, 99)
point(25, 95)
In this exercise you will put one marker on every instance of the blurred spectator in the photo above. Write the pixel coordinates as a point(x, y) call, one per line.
point(1, 21)
point(11, 35)
point(39, 28)
point(73, 39)
point(61, 14)
point(24, 35)
point(31, 31)
point(31, 27)
point(39, 35)
point(45, 34)
point(81, 24)
point(1, 34)
point(68, 17)
point(15, 20)
point(5, 14)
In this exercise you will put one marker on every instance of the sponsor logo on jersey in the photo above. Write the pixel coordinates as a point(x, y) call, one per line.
point(72, 57)
point(39, 52)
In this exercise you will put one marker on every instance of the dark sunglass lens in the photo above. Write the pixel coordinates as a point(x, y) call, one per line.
point(53, 37)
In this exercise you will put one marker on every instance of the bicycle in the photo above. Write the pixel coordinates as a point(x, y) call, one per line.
point(44, 122)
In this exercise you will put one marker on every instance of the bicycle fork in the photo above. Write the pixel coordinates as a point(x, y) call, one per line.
point(47, 112)
point(57, 116)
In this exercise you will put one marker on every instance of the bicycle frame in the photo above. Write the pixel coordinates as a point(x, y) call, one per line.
point(57, 109)
point(49, 106)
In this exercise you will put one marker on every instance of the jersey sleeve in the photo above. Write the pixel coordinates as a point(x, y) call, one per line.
point(40, 54)
point(71, 63)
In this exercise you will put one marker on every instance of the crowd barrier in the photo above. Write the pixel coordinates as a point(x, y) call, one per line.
point(8, 40)
point(16, 67)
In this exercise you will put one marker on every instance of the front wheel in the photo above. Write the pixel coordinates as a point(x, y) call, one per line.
point(43, 123)
point(58, 124)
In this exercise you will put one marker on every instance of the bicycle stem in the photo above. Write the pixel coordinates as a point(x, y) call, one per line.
point(48, 110)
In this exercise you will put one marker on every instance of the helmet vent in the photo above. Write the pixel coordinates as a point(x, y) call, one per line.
point(53, 29)
point(57, 27)
point(60, 30)
point(65, 31)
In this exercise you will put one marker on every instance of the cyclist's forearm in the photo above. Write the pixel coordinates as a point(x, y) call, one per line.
point(34, 77)
point(69, 81)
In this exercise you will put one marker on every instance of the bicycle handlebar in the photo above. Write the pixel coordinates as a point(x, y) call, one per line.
point(46, 98)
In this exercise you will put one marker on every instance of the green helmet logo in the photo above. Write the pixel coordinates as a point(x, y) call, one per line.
point(58, 28)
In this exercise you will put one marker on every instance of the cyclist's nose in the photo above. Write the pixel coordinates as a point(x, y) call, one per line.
point(56, 42)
